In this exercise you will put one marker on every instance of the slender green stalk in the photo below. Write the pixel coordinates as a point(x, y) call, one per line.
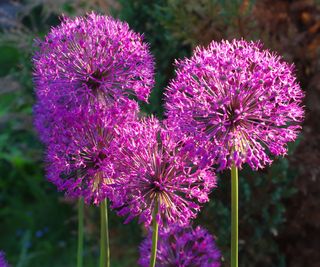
point(155, 231)
point(80, 232)
point(104, 235)
point(107, 236)
point(234, 216)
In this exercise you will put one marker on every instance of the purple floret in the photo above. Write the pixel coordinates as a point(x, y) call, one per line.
point(159, 167)
point(182, 247)
point(238, 99)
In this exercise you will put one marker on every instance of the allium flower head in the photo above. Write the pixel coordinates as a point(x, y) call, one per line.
point(3, 262)
point(93, 56)
point(182, 247)
point(81, 160)
point(243, 100)
point(157, 168)
point(88, 61)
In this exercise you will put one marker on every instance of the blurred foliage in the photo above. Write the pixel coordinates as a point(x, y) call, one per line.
point(200, 22)
point(38, 225)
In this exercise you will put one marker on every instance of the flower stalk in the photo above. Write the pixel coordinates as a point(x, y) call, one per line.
point(104, 235)
point(155, 231)
point(234, 216)
point(80, 232)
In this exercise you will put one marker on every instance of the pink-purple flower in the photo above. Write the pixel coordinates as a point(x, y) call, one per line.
point(182, 247)
point(159, 169)
point(242, 100)
point(81, 159)
point(85, 61)
point(94, 55)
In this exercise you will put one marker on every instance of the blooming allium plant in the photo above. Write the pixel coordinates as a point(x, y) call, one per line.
point(182, 247)
point(159, 171)
point(243, 100)
point(3, 262)
point(81, 161)
point(87, 60)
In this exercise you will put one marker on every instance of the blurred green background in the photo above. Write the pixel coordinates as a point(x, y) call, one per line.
point(279, 206)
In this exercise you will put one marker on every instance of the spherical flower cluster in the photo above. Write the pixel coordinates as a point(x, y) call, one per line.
point(89, 60)
point(160, 172)
point(81, 161)
point(242, 100)
point(3, 262)
point(182, 247)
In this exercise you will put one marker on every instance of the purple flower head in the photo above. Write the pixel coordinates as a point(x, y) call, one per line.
point(243, 100)
point(81, 159)
point(85, 61)
point(157, 168)
point(93, 56)
point(3, 262)
point(182, 247)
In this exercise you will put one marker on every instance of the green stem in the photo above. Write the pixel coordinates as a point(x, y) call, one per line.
point(155, 231)
point(80, 232)
point(104, 235)
point(234, 216)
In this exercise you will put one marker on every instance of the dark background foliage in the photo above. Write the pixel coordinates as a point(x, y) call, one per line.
point(279, 206)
